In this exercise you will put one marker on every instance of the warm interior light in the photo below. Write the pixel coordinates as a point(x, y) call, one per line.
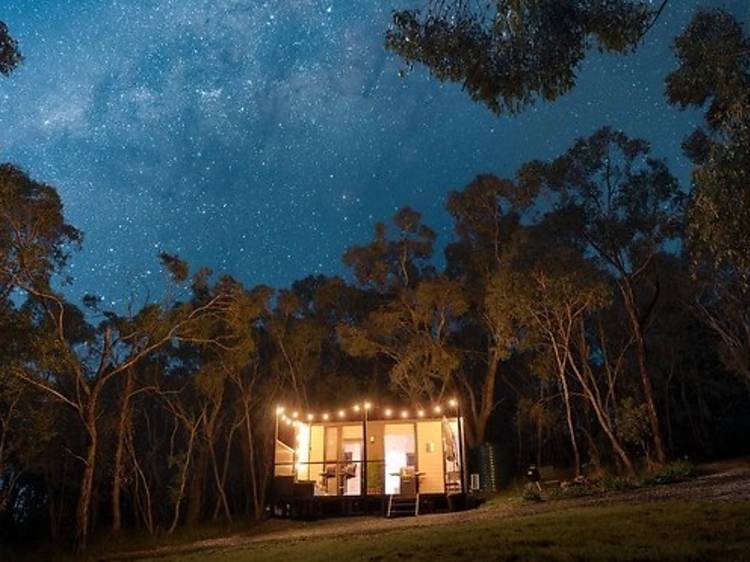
point(420, 413)
point(388, 412)
point(453, 402)
point(368, 405)
point(404, 414)
point(288, 421)
point(325, 416)
point(342, 413)
point(279, 410)
point(310, 417)
point(295, 415)
point(356, 407)
point(437, 409)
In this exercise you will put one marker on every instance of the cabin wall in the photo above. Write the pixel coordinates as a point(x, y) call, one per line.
point(284, 460)
point(317, 444)
point(430, 456)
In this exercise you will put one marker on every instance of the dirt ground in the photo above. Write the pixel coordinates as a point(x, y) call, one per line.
point(718, 482)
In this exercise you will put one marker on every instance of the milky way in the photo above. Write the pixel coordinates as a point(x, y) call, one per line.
point(263, 138)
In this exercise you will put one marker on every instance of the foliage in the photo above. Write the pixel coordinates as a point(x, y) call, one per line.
point(34, 238)
point(714, 73)
point(531, 494)
point(10, 56)
point(507, 54)
point(676, 471)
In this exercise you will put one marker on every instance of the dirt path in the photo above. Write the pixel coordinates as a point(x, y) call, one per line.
point(719, 482)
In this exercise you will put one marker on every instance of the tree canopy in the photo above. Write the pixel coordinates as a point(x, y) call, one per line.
point(507, 54)
point(10, 55)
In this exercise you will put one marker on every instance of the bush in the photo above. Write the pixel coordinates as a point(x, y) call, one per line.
point(676, 471)
point(531, 494)
point(573, 491)
point(610, 483)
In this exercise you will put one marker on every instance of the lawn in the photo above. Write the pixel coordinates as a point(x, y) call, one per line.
point(645, 531)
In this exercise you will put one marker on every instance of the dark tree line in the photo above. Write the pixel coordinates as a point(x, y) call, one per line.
point(589, 311)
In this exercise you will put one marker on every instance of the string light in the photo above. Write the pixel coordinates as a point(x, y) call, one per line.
point(360, 407)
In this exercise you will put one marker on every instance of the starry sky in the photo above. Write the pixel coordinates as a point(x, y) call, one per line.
point(263, 137)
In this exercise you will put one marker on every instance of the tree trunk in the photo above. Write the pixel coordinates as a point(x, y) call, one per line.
point(603, 418)
point(487, 404)
point(183, 479)
point(571, 427)
point(87, 480)
point(119, 464)
point(255, 485)
point(218, 481)
point(197, 485)
point(646, 382)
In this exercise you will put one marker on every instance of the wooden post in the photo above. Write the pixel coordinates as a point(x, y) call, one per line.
point(461, 449)
point(275, 441)
point(365, 442)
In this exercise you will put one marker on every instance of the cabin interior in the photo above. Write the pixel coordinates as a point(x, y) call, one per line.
point(376, 457)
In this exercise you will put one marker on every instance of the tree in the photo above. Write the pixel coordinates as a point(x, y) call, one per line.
point(412, 324)
point(10, 55)
point(625, 207)
point(714, 72)
point(487, 215)
point(390, 264)
point(73, 361)
point(413, 331)
point(550, 294)
point(509, 53)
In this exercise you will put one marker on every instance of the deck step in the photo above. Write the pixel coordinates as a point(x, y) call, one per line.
point(402, 507)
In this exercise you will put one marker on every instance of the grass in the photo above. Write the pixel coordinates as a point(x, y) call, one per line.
point(669, 531)
point(133, 541)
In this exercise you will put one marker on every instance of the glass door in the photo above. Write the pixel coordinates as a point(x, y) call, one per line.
point(400, 453)
point(352, 468)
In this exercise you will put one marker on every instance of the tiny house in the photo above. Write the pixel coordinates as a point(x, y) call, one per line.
point(367, 458)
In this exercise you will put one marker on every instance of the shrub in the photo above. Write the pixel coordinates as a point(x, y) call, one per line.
point(574, 491)
point(531, 494)
point(611, 483)
point(676, 471)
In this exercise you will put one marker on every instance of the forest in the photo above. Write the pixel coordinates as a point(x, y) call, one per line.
point(588, 311)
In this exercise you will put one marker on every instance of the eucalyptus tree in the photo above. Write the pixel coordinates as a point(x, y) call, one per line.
point(487, 217)
point(507, 54)
point(552, 296)
point(624, 207)
point(391, 263)
point(74, 361)
point(297, 344)
point(714, 73)
point(10, 55)
point(417, 311)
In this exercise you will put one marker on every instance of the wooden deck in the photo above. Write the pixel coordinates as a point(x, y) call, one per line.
point(317, 507)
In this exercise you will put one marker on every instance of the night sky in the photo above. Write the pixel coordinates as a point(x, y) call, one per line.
point(262, 138)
